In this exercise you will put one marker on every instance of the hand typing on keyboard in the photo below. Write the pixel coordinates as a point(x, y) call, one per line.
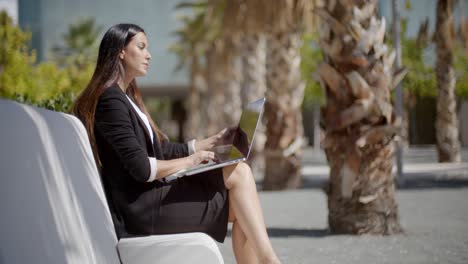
point(201, 157)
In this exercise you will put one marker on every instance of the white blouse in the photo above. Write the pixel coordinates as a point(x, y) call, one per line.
point(143, 117)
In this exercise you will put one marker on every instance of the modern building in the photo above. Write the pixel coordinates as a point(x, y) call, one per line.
point(48, 20)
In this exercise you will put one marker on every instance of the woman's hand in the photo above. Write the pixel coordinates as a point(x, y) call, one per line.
point(211, 142)
point(200, 157)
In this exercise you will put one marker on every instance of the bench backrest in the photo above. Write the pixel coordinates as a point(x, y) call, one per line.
point(53, 208)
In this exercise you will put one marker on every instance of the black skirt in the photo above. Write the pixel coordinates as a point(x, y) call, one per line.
point(197, 203)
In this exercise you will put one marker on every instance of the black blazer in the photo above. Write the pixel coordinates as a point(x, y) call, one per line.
point(124, 146)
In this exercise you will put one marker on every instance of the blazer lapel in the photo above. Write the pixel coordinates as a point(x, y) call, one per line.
point(142, 126)
point(141, 123)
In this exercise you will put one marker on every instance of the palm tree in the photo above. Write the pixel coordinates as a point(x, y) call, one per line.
point(448, 144)
point(285, 93)
point(80, 44)
point(224, 82)
point(281, 23)
point(285, 132)
point(249, 23)
point(244, 20)
point(253, 55)
point(214, 101)
point(190, 49)
point(358, 118)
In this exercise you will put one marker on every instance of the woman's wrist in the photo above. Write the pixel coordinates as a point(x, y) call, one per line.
point(199, 145)
point(189, 162)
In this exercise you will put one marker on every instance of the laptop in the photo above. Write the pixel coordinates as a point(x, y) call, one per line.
point(238, 142)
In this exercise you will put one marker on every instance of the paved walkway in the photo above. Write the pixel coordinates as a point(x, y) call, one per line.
point(433, 206)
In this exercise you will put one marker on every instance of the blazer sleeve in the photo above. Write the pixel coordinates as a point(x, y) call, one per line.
point(113, 122)
point(174, 150)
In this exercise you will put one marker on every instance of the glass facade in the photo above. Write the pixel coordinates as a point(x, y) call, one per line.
point(48, 20)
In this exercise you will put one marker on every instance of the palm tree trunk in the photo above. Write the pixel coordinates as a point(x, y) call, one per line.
point(224, 84)
point(448, 144)
point(196, 122)
point(359, 121)
point(283, 148)
point(254, 87)
point(371, 207)
point(253, 68)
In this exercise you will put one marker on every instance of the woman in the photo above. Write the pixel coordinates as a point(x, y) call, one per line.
point(134, 157)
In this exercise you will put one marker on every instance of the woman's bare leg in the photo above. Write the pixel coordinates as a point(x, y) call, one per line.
point(242, 250)
point(245, 205)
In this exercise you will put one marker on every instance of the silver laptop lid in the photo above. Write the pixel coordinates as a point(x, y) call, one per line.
point(242, 135)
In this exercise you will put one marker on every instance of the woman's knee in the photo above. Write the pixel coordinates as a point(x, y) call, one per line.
point(244, 170)
point(237, 174)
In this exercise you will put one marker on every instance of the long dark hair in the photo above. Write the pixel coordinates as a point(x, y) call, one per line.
point(109, 70)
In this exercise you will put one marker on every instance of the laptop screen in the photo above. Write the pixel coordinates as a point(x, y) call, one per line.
point(242, 135)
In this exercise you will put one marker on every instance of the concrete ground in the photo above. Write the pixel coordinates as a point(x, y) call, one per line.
point(433, 207)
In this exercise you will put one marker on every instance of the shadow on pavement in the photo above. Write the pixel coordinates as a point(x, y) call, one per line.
point(411, 182)
point(310, 183)
point(432, 183)
point(296, 232)
point(307, 183)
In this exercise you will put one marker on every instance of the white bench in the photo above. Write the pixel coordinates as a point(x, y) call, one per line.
point(53, 208)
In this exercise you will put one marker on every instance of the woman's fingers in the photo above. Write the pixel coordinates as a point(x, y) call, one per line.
point(218, 137)
point(209, 155)
point(205, 156)
point(202, 157)
point(223, 131)
point(222, 137)
point(215, 140)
